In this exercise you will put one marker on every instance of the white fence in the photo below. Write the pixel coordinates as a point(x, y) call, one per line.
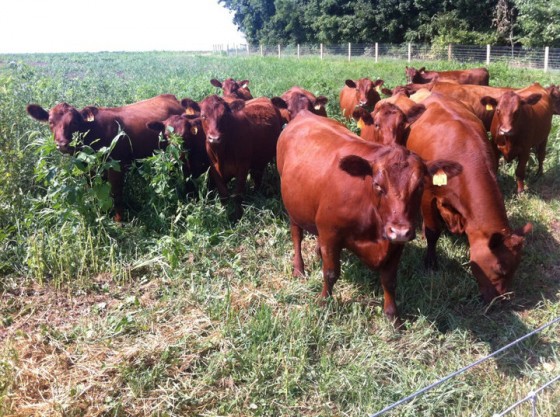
point(538, 58)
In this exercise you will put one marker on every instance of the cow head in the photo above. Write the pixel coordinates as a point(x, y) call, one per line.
point(495, 259)
point(217, 116)
point(366, 91)
point(507, 119)
point(397, 178)
point(554, 94)
point(388, 124)
point(414, 75)
point(232, 88)
point(64, 121)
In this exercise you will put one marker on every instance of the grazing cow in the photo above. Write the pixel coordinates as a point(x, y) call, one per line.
point(472, 202)
point(298, 99)
point(361, 93)
point(478, 76)
point(353, 194)
point(233, 90)
point(240, 139)
point(522, 120)
point(390, 121)
point(189, 127)
point(554, 94)
point(100, 125)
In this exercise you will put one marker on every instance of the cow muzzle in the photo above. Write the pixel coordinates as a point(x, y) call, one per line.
point(396, 233)
point(505, 132)
point(215, 139)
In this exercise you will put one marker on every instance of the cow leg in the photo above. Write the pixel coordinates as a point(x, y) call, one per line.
point(388, 274)
point(220, 185)
point(257, 175)
point(541, 152)
point(432, 229)
point(330, 254)
point(297, 237)
point(520, 172)
point(237, 196)
point(116, 181)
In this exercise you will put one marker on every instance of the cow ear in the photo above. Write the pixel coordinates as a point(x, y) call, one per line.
point(489, 103)
point(279, 102)
point(414, 113)
point(532, 99)
point(37, 112)
point(495, 241)
point(361, 114)
point(156, 126)
point(387, 92)
point(237, 105)
point(244, 83)
point(350, 83)
point(88, 113)
point(322, 101)
point(191, 106)
point(525, 230)
point(378, 83)
point(216, 83)
point(356, 166)
point(441, 170)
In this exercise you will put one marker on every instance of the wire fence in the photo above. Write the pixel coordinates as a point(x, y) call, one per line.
point(530, 397)
point(517, 56)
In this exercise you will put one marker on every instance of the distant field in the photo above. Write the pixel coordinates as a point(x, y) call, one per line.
point(179, 312)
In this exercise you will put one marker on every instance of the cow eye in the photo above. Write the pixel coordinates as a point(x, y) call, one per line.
point(377, 126)
point(378, 187)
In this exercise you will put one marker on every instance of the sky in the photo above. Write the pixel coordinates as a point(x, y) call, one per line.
point(28, 26)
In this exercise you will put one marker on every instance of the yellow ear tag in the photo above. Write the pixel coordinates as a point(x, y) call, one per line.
point(90, 117)
point(440, 178)
point(194, 130)
point(317, 107)
point(489, 107)
point(378, 88)
point(361, 123)
point(189, 111)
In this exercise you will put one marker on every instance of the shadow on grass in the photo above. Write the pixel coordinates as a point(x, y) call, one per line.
point(449, 297)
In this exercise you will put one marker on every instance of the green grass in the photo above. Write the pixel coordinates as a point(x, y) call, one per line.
point(180, 312)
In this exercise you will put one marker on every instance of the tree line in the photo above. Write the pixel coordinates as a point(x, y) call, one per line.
point(473, 22)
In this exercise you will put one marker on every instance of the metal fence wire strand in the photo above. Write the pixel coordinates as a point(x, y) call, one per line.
point(531, 396)
point(472, 365)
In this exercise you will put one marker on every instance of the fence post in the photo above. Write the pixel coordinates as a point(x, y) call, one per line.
point(262, 54)
point(349, 51)
point(449, 52)
point(546, 50)
point(409, 51)
point(298, 50)
point(279, 55)
point(487, 54)
point(376, 51)
point(248, 52)
point(321, 51)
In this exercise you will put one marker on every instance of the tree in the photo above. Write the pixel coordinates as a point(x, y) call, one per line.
point(539, 23)
point(504, 20)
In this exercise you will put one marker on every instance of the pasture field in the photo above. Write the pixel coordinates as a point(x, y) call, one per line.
point(179, 312)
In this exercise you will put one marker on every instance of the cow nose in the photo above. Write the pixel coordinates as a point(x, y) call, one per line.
point(399, 233)
point(504, 132)
point(213, 138)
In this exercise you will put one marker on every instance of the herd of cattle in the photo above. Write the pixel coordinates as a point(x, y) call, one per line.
point(424, 149)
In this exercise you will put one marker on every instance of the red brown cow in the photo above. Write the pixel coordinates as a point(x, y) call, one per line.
point(472, 202)
point(554, 94)
point(298, 99)
point(522, 120)
point(390, 121)
point(240, 139)
point(233, 90)
point(189, 127)
point(362, 92)
point(100, 125)
point(478, 76)
point(353, 194)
